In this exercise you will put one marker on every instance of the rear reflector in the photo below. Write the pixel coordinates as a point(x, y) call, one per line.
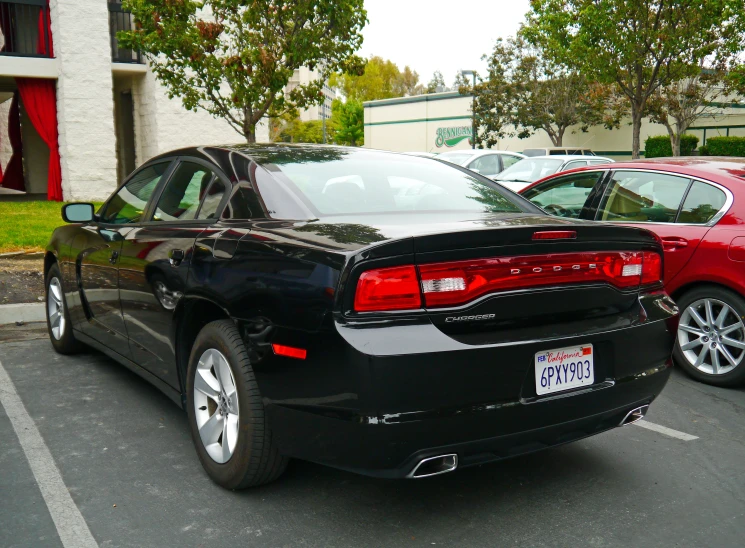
point(555, 235)
point(457, 283)
point(394, 288)
point(290, 351)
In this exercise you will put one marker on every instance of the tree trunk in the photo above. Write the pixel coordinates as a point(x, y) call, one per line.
point(636, 129)
point(674, 139)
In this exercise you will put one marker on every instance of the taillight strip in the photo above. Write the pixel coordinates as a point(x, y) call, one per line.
point(460, 282)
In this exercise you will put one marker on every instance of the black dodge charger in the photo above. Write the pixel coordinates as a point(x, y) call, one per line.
point(381, 313)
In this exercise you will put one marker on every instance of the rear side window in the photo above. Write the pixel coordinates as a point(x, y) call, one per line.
point(572, 165)
point(636, 196)
point(129, 202)
point(702, 203)
point(185, 189)
point(508, 161)
point(212, 199)
point(564, 196)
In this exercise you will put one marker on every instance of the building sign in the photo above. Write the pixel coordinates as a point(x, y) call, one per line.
point(451, 136)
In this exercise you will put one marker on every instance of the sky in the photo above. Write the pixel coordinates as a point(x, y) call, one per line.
point(439, 35)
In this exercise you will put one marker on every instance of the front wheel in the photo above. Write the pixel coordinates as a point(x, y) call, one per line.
point(59, 325)
point(710, 344)
point(226, 414)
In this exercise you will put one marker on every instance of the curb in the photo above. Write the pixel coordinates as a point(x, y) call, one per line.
point(21, 255)
point(26, 312)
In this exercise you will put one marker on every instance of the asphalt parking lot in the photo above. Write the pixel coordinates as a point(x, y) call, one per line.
point(123, 453)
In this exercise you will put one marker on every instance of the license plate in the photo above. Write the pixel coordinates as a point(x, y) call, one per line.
point(564, 369)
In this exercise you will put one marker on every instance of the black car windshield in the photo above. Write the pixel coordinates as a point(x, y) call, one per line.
point(341, 182)
point(529, 170)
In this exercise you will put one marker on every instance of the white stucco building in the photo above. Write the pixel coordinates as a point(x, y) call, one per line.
point(112, 114)
point(442, 121)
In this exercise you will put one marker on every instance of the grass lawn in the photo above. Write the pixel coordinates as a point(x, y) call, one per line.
point(27, 226)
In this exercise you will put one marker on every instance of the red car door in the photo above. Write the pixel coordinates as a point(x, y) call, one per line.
point(653, 200)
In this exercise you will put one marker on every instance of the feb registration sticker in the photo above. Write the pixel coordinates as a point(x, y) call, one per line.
point(564, 369)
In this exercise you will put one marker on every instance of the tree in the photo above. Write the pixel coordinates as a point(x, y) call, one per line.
point(524, 93)
point(679, 104)
point(548, 96)
point(348, 121)
point(380, 79)
point(233, 58)
point(638, 45)
point(298, 131)
point(437, 81)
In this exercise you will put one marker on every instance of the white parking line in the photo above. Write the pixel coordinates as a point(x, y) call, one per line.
point(71, 527)
point(665, 430)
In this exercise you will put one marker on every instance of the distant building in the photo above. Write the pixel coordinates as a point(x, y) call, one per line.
point(437, 122)
point(304, 76)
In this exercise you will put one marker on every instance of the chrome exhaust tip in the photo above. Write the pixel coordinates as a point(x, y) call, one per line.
point(434, 466)
point(634, 415)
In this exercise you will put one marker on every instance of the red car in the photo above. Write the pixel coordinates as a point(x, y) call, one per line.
point(697, 207)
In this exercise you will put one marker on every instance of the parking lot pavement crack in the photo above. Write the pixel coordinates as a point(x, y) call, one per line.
point(71, 527)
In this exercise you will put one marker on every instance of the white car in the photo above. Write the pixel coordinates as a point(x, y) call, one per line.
point(486, 162)
point(528, 171)
point(554, 151)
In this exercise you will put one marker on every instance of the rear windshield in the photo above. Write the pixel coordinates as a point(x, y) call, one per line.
point(529, 170)
point(460, 158)
point(361, 183)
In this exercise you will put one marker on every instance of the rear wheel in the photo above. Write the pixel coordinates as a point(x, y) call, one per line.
point(226, 414)
point(59, 325)
point(711, 336)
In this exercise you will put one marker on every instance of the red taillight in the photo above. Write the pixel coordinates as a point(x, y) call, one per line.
point(456, 283)
point(289, 351)
point(651, 268)
point(394, 288)
point(555, 235)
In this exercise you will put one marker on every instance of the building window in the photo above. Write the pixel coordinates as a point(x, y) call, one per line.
point(24, 28)
point(121, 20)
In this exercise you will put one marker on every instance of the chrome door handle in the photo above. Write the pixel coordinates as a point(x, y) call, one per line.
point(671, 244)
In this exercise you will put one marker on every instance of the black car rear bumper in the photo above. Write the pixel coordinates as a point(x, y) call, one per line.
point(391, 446)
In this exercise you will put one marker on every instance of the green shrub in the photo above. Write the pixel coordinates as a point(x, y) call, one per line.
point(658, 146)
point(726, 146)
point(703, 150)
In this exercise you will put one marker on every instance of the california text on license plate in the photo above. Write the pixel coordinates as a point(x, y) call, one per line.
point(564, 369)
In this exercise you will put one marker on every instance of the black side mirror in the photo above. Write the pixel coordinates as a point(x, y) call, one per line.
point(78, 213)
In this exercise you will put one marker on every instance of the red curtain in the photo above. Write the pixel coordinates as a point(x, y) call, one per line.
point(40, 101)
point(45, 32)
point(13, 178)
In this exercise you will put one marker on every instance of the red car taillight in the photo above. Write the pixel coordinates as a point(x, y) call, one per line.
point(459, 282)
point(393, 288)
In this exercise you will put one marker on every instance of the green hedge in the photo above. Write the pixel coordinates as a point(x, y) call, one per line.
point(725, 146)
point(658, 146)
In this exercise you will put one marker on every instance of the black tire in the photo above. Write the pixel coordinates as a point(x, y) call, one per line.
point(735, 376)
point(255, 459)
point(64, 342)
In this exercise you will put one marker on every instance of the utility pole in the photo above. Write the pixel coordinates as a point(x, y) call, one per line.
point(473, 106)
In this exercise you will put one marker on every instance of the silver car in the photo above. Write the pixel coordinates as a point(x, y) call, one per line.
point(528, 171)
point(486, 162)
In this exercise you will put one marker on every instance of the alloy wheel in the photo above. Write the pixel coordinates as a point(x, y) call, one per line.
point(216, 405)
point(56, 309)
point(711, 336)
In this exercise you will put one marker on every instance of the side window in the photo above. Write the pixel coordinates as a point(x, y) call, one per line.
point(487, 165)
point(702, 203)
point(239, 206)
point(508, 160)
point(212, 199)
point(128, 204)
point(183, 193)
point(643, 197)
point(564, 196)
